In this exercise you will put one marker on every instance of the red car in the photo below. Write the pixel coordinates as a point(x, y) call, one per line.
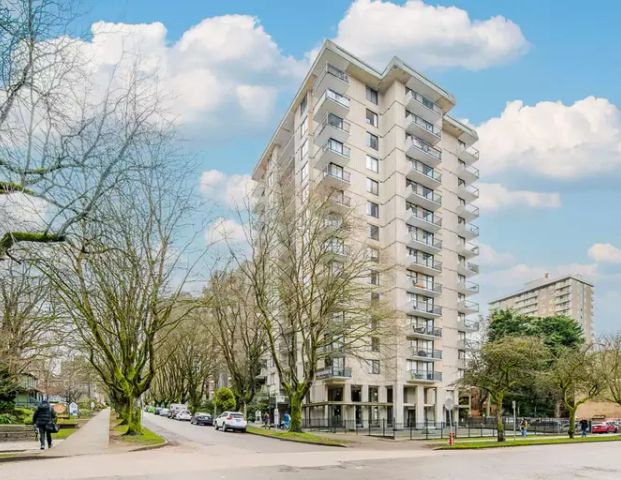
point(604, 427)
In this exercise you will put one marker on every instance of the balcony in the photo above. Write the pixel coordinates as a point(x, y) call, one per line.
point(426, 221)
point(335, 249)
point(468, 250)
point(422, 107)
point(335, 177)
point(334, 152)
point(426, 131)
point(468, 155)
point(468, 230)
point(341, 201)
point(469, 212)
point(423, 309)
point(333, 79)
point(425, 354)
point(334, 373)
point(426, 199)
point(331, 102)
point(468, 173)
point(422, 151)
point(425, 176)
point(467, 326)
point(332, 127)
point(468, 269)
point(424, 288)
point(425, 331)
point(469, 193)
point(468, 288)
point(464, 344)
point(467, 307)
point(424, 265)
point(423, 244)
point(423, 376)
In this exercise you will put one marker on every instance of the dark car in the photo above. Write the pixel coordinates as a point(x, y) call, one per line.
point(201, 419)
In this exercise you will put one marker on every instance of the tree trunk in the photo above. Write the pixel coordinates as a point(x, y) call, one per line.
point(500, 426)
point(572, 421)
point(295, 403)
point(134, 418)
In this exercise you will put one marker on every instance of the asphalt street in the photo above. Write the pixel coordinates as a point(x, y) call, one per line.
point(202, 453)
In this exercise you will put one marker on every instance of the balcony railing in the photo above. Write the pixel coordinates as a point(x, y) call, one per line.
point(424, 307)
point(337, 97)
point(341, 199)
point(470, 287)
point(470, 153)
point(427, 330)
point(468, 305)
point(468, 325)
point(469, 189)
point(331, 372)
point(429, 195)
point(427, 217)
point(331, 172)
point(337, 147)
point(469, 248)
point(428, 172)
point(426, 353)
point(340, 74)
point(413, 375)
point(435, 243)
point(435, 287)
point(335, 122)
point(423, 101)
point(469, 229)
point(429, 127)
point(425, 262)
point(470, 170)
point(425, 147)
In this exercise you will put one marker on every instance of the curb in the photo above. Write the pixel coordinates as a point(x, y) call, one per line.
point(297, 441)
point(150, 447)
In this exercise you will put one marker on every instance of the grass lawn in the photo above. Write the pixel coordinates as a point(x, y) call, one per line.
point(148, 438)
point(302, 437)
point(63, 433)
point(520, 442)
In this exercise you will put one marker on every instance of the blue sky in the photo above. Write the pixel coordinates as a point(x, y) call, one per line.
point(553, 167)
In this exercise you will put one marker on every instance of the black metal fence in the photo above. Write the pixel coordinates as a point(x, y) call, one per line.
point(468, 428)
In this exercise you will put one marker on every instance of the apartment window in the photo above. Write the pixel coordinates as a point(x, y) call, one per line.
point(373, 209)
point(372, 118)
point(372, 95)
point(373, 254)
point(374, 278)
point(372, 141)
point(375, 297)
point(462, 144)
point(375, 344)
point(461, 241)
point(304, 127)
point(372, 164)
point(374, 368)
point(304, 149)
point(461, 278)
point(461, 221)
point(304, 172)
point(303, 105)
point(462, 202)
point(372, 186)
point(461, 182)
point(373, 232)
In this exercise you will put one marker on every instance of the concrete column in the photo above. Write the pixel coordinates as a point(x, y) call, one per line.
point(348, 410)
point(420, 404)
point(365, 409)
point(440, 399)
point(398, 401)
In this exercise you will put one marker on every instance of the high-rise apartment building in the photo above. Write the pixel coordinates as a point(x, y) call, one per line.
point(567, 295)
point(385, 143)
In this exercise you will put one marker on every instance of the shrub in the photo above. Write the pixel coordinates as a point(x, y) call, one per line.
point(224, 399)
point(7, 419)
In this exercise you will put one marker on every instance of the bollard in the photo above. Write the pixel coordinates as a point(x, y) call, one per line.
point(451, 439)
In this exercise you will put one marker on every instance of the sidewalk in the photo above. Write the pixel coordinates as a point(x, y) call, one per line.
point(19, 447)
point(90, 439)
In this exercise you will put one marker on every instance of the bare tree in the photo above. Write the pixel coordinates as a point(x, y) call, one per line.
point(313, 280)
point(122, 287)
point(609, 368)
point(65, 139)
point(237, 330)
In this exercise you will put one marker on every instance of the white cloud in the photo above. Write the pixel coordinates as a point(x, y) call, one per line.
point(230, 190)
point(553, 139)
point(605, 253)
point(427, 36)
point(494, 196)
point(224, 229)
point(22, 212)
point(222, 75)
point(490, 257)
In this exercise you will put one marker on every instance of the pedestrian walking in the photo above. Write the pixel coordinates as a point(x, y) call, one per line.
point(524, 427)
point(584, 427)
point(266, 420)
point(45, 420)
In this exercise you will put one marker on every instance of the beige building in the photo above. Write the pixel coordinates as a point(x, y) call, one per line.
point(568, 295)
point(385, 143)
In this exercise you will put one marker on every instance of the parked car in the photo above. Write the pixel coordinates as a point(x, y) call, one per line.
point(175, 408)
point(158, 410)
point(183, 415)
point(231, 421)
point(604, 427)
point(164, 412)
point(200, 418)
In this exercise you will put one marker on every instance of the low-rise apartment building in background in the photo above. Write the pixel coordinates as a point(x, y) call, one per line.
point(567, 295)
point(387, 147)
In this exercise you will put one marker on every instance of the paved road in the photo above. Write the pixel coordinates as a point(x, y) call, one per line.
point(201, 453)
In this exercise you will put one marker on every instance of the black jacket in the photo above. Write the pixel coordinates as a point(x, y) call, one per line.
point(43, 415)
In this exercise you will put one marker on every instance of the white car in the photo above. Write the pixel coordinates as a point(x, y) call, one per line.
point(164, 412)
point(183, 415)
point(230, 421)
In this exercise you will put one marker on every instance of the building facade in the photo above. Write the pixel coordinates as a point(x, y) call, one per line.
point(567, 295)
point(386, 145)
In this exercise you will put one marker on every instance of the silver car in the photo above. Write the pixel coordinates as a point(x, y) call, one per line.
point(230, 421)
